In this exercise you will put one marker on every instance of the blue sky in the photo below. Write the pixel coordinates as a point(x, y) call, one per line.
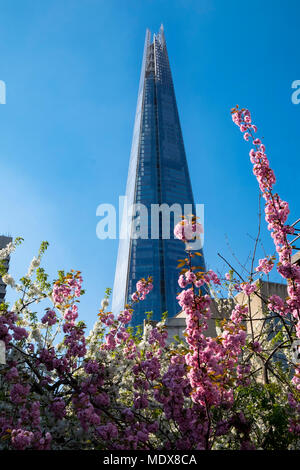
point(72, 69)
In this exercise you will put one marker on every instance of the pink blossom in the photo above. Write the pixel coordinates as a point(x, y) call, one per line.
point(248, 288)
point(49, 317)
point(190, 276)
point(185, 230)
point(265, 265)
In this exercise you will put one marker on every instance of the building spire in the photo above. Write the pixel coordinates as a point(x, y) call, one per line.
point(162, 35)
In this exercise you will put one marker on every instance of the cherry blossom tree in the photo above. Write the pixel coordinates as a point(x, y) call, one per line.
point(117, 388)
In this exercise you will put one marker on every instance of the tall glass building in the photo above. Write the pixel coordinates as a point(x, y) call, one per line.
point(158, 174)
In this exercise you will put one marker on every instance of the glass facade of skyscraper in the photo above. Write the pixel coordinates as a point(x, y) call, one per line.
point(158, 174)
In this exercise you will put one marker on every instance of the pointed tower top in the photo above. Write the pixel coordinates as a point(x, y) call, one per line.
point(160, 35)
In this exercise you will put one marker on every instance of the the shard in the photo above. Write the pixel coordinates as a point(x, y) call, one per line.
point(158, 174)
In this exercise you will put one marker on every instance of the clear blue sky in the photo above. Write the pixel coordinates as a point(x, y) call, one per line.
point(72, 69)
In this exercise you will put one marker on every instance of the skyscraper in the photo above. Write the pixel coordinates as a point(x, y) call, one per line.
point(158, 174)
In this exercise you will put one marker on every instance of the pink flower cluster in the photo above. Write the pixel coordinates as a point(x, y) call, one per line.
point(191, 278)
point(277, 304)
point(49, 318)
point(63, 291)
point(187, 230)
point(276, 213)
point(238, 314)
point(143, 287)
point(248, 288)
point(7, 322)
point(212, 362)
point(265, 265)
point(125, 316)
